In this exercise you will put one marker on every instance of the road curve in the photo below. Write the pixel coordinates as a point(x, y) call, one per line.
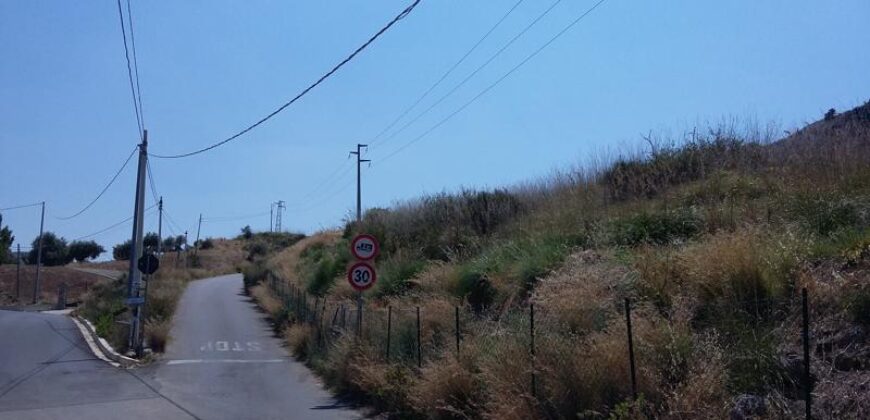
point(47, 371)
point(223, 362)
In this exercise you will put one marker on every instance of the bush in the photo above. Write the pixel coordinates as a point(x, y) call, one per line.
point(826, 214)
point(859, 306)
point(208, 243)
point(395, 274)
point(656, 228)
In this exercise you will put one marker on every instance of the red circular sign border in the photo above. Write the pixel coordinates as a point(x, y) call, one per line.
point(374, 241)
point(350, 274)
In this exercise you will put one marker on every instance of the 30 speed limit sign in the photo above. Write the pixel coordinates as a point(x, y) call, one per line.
point(361, 276)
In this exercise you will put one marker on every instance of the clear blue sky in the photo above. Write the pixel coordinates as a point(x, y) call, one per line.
point(209, 68)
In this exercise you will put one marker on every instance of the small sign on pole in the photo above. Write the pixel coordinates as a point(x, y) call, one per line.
point(148, 264)
point(361, 276)
point(364, 247)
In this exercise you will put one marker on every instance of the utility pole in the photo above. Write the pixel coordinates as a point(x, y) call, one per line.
point(359, 161)
point(280, 205)
point(160, 226)
point(271, 217)
point(18, 276)
point(39, 255)
point(196, 242)
point(134, 277)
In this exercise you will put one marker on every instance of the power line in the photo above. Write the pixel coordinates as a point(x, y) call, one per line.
point(112, 181)
point(477, 70)
point(114, 226)
point(135, 64)
point(21, 206)
point(499, 80)
point(150, 174)
point(377, 137)
point(139, 122)
point(399, 17)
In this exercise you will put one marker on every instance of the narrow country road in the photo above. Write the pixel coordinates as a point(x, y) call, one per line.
point(222, 363)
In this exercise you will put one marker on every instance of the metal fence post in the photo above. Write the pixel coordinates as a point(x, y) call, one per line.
point(457, 332)
point(630, 349)
point(389, 330)
point(532, 348)
point(419, 342)
point(806, 343)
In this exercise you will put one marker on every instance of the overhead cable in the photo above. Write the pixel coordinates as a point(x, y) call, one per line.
point(399, 17)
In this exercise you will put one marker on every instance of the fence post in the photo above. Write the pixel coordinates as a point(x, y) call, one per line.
point(532, 348)
point(457, 332)
point(419, 342)
point(630, 349)
point(389, 330)
point(61, 297)
point(18, 276)
point(806, 343)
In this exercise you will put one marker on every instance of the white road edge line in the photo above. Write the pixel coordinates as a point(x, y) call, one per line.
point(93, 346)
point(196, 361)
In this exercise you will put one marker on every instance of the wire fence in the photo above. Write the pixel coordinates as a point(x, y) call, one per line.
point(545, 356)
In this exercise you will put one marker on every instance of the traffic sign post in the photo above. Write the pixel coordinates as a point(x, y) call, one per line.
point(361, 275)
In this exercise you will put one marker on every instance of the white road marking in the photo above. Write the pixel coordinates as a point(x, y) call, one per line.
point(242, 361)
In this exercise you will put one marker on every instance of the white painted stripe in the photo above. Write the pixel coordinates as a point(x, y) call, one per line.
point(196, 361)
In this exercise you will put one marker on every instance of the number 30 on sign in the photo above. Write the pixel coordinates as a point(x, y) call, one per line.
point(361, 276)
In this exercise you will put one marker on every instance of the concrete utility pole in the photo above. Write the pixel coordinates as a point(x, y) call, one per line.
point(359, 161)
point(39, 255)
point(281, 207)
point(134, 277)
point(160, 227)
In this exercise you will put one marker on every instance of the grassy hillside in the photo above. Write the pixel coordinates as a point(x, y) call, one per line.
point(711, 239)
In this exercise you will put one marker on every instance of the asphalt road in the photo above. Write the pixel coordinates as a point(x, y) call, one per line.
point(222, 363)
point(48, 372)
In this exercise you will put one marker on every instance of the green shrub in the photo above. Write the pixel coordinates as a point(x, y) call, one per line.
point(827, 214)
point(208, 243)
point(656, 228)
point(254, 273)
point(395, 274)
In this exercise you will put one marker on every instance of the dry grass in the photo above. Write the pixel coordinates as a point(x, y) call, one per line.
point(267, 300)
point(157, 334)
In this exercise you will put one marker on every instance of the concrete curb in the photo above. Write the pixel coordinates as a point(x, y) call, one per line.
point(100, 347)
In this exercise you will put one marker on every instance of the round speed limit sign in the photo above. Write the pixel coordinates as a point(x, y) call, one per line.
point(361, 276)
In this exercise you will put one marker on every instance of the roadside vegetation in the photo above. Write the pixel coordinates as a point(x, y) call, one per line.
point(711, 237)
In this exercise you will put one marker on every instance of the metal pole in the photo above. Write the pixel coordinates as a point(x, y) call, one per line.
point(630, 348)
point(39, 254)
point(18, 276)
point(457, 332)
point(271, 217)
point(389, 329)
point(532, 348)
point(419, 342)
point(134, 277)
point(160, 227)
point(808, 395)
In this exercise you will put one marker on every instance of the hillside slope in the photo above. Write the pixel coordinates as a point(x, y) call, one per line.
point(711, 241)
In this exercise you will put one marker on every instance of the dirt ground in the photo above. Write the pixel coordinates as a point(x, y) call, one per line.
point(78, 283)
